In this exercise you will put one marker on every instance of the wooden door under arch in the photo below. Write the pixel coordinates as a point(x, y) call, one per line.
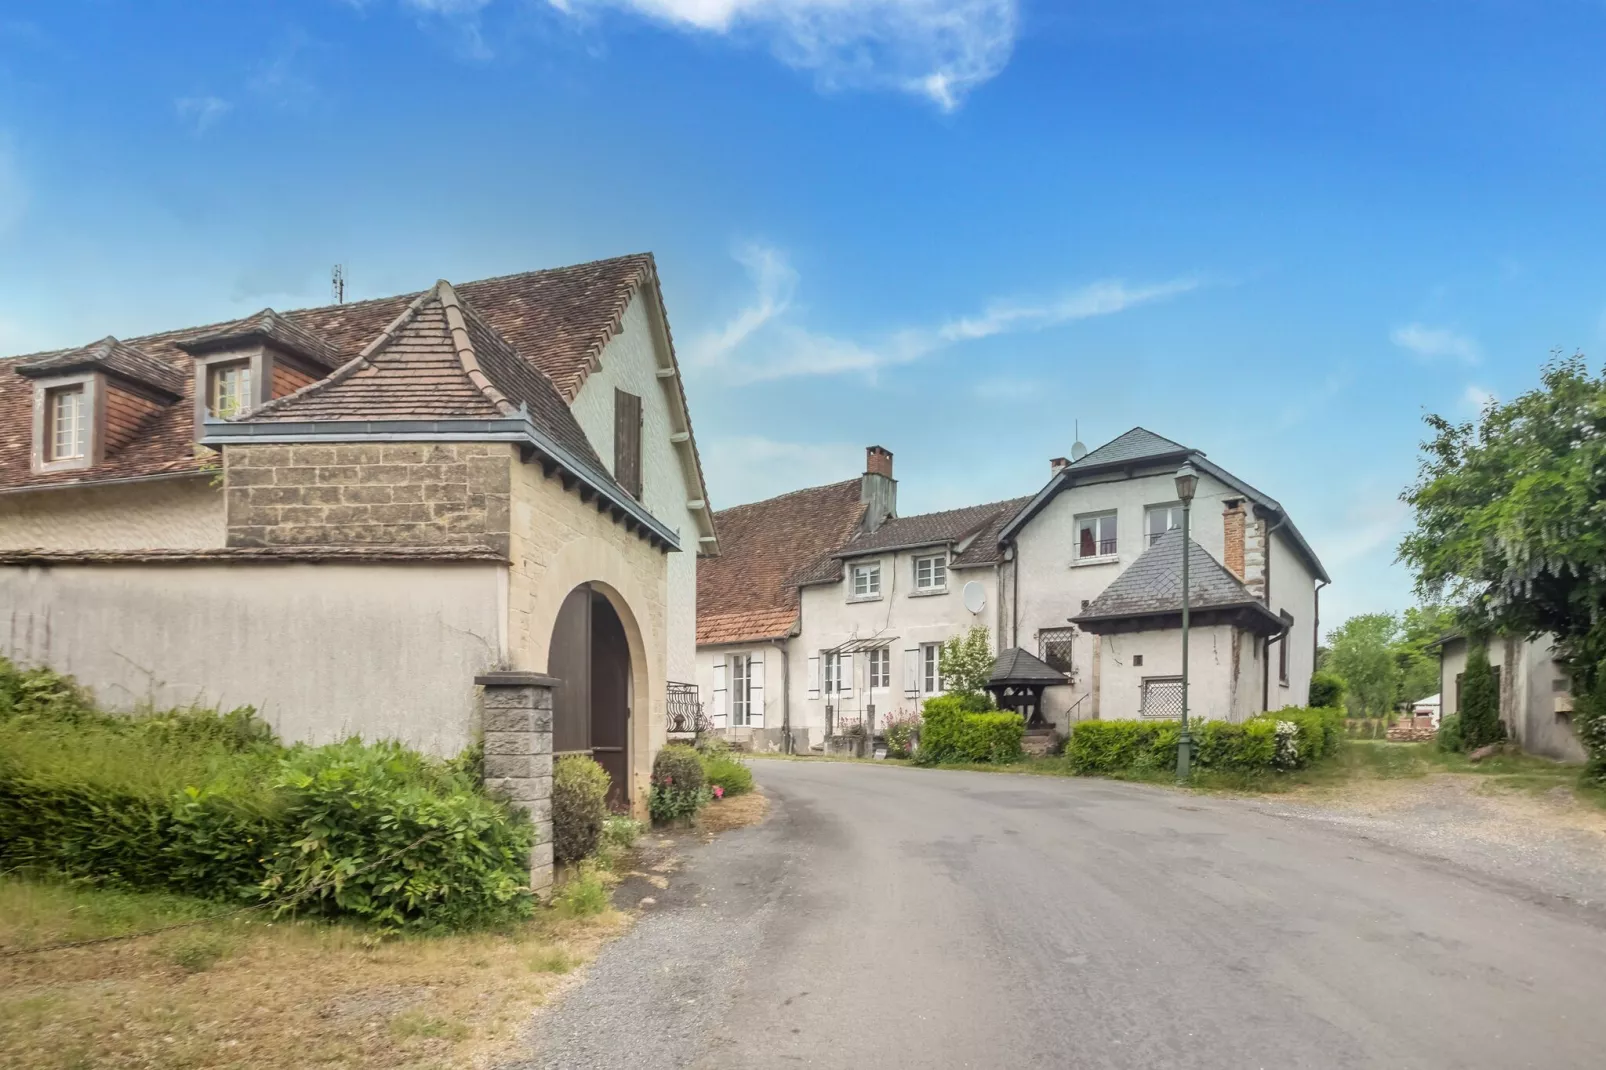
point(590, 654)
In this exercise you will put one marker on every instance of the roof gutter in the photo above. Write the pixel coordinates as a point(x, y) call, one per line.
point(88, 484)
point(518, 429)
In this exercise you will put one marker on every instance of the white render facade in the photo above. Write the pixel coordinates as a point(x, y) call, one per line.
point(1536, 699)
point(858, 650)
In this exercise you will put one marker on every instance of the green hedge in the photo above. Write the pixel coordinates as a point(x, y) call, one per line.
point(1104, 747)
point(962, 728)
point(579, 806)
point(212, 805)
point(678, 789)
point(727, 772)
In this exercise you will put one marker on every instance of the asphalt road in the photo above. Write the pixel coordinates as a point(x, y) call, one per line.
point(889, 917)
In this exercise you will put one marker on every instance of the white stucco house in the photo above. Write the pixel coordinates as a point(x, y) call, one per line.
point(1536, 699)
point(1084, 574)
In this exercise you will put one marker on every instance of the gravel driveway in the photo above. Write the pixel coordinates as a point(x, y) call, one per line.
point(893, 917)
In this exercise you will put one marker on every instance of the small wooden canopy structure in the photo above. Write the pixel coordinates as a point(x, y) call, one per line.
point(1017, 683)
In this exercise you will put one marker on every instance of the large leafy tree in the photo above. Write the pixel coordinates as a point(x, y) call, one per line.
point(1418, 661)
point(1511, 514)
point(1361, 652)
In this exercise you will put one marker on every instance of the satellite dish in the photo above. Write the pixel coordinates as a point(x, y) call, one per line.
point(1078, 449)
point(975, 597)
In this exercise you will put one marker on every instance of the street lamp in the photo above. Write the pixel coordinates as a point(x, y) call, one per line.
point(1187, 483)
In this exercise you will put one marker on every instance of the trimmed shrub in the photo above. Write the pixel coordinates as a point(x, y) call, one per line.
point(579, 806)
point(1327, 689)
point(1101, 747)
point(1449, 738)
point(211, 805)
point(946, 734)
point(991, 737)
point(677, 783)
point(1284, 739)
point(727, 772)
point(1480, 702)
point(1321, 730)
point(1248, 746)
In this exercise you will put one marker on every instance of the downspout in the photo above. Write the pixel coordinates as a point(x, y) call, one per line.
point(786, 690)
point(1014, 597)
point(1265, 667)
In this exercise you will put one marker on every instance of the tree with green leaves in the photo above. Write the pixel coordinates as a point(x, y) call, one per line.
point(1510, 523)
point(1480, 701)
point(1418, 661)
point(1361, 653)
point(966, 661)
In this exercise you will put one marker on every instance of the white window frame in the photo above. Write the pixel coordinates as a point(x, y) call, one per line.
point(935, 580)
point(831, 673)
point(1104, 548)
point(870, 573)
point(880, 668)
point(229, 388)
point(931, 669)
point(68, 411)
point(1173, 515)
point(741, 689)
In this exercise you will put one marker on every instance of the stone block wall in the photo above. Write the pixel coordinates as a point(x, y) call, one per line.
point(517, 724)
point(381, 494)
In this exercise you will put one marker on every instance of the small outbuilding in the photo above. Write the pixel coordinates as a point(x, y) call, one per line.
point(1018, 681)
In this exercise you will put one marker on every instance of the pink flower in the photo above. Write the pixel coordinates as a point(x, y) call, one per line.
point(719, 792)
point(668, 780)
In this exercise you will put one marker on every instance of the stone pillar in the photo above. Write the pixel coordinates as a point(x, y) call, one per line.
point(517, 723)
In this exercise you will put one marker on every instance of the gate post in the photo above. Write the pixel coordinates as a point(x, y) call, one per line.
point(516, 718)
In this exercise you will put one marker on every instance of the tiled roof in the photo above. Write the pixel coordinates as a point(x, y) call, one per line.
point(1017, 666)
point(1136, 445)
point(1152, 585)
point(266, 326)
point(749, 591)
point(109, 355)
point(557, 319)
point(979, 524)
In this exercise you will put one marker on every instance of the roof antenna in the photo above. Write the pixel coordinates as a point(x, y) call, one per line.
point(1078, 449)
point(337, 283)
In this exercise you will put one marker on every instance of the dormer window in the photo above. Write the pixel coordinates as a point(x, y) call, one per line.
point(228, 389)
point(67, 423)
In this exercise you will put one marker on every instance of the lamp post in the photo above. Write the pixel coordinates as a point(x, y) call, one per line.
point(1187, 483)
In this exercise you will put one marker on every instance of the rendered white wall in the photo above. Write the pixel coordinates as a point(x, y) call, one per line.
point(1293, 589)
point(1211, 691)
point(630, 362)
point(176, 514)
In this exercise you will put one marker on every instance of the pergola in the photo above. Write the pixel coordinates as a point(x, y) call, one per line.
point(1017, 683)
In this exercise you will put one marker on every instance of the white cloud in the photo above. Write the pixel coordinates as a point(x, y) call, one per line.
point(1478, 397)
point(1436, 342)
point(200, 113)
point(750, 468)
point(938, 49)
point(760, 342)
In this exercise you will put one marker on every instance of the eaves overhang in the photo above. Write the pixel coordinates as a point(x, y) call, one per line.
point(519, 430)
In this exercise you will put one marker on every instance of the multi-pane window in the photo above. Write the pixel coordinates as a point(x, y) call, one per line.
point(1160, 519)
point(931, 572)
point(881, 668)
point(1095, 535)
point(741, 689)
point(69, 423)
point(229, 390)
point(833, 672)
point(931, 668)
point(867, 581)
point(1054, 647)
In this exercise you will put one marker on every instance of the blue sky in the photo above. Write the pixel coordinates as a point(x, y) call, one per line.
point(1276, 231)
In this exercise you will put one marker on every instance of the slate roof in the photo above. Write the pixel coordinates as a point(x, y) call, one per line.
point(750, 591)
point(109, 355)
point(975, 527)
point(1136, 445)
point(1017, 666)
point(556, 320)
point(267, 326)
point(1152, 587)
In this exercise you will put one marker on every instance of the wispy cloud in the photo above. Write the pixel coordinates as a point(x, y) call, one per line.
point(200, 113)
point(1434, 343)
point(1479, 398)
point(761, 342)
point(936, 49)
point(1368, 526)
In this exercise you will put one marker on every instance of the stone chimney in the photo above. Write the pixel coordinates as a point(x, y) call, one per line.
point(1055, 464)
point(1232, 526)
point(878, 491)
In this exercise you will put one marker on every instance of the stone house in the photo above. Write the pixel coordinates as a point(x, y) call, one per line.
point(1536, 699)
point(344, 516)
point(1085, 575)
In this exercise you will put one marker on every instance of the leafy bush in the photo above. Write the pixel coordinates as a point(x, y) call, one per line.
point(210, 804)
point(964, 728)
point(900, 731)
point(677, 783)
point(579, 806)
point(1327, 689)
point(1480, 702)
point(728, 773)
point(1280, 740)
point(966, 662)
point(585, 893)
point(1102, 747)
point(1449, 735)
point(992, 737)
point(1321, 730)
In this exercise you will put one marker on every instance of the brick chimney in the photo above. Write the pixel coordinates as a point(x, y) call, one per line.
point(1055, 464)
point(878, 491)
point(1232, 524)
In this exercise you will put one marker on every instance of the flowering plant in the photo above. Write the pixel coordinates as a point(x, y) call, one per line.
point(719, 792)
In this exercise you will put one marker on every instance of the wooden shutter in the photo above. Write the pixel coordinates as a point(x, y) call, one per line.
point(721, 695)
point(755, 691)
point(911, 672)
point(627, 441)
point(847, 675)
point(814, 678)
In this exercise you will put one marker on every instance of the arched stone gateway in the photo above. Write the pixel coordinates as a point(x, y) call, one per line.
point(594, 708)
